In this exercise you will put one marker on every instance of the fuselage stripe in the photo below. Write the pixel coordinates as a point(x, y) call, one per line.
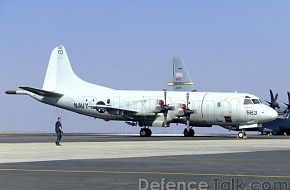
point(201, 108)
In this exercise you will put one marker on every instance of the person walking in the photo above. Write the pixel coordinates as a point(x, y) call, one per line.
point(58, 131)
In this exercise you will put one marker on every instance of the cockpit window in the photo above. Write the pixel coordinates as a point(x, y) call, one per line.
point(247, 101)
point(256, 101)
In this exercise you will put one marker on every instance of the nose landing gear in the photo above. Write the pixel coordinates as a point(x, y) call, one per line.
point(242, 135)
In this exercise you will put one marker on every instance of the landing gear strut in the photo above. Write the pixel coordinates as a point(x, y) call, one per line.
point(242, 135)
point(188, 132)
point(145, 132)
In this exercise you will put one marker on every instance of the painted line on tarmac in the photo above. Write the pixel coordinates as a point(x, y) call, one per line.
point(145, 173)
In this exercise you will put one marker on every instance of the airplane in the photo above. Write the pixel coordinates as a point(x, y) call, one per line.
point(64, 89)
point(181, 80)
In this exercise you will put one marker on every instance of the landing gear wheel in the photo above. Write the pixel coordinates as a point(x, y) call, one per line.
point(149, 132)
point(242, 134)
point(145, 132)
point(191, 133)
point(186, 133)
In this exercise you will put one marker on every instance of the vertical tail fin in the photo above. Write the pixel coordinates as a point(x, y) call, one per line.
point(60, 76)
point(181, 80)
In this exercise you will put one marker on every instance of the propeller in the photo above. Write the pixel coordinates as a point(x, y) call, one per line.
point(164, 108)
point(273, 103)
point(186, 112)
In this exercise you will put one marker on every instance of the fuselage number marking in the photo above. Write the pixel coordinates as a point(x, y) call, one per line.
point(252, 112)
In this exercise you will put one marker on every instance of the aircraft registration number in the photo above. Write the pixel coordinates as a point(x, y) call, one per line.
point(252, 112)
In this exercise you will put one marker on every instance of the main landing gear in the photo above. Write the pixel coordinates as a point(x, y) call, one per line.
point(242, 135)
point(188, 132)
point(145, 132)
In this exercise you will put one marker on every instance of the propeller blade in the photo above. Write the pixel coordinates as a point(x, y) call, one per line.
point(165, 118)
point(187, 100)
point(276, 97)
point(165, 96)
point(288, 104)
point(273, 103)
point(272, 96)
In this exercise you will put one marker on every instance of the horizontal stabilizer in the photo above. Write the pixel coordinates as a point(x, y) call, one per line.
point(42, 92)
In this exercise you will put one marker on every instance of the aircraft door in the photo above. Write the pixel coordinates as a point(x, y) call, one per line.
point(225, 112)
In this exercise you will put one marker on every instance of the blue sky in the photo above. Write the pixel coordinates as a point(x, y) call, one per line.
point(226, 46)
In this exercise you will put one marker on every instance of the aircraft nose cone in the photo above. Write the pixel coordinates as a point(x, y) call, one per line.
point(271, 115)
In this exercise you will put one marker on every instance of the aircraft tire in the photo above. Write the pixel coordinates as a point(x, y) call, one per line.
point(241, 135)
point(191, 133)
point(149, 132)
point(186, 132)
point(143, 132)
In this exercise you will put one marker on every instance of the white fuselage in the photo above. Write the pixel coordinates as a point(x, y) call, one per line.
point(210, 108)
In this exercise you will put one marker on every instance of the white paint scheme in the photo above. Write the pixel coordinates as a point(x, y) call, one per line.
point(210, 108)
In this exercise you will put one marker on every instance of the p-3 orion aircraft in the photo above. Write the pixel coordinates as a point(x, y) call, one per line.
point(64, 89)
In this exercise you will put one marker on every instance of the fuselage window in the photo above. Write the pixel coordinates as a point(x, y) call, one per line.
point(256, 101)
point(248, 101)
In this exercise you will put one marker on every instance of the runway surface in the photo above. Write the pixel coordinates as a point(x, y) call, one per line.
point(93, 161)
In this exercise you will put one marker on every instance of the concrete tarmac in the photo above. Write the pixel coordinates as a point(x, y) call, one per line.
point(93, 137)
point(92, 161)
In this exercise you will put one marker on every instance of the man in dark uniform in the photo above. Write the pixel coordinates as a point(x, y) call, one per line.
point(58, 131)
